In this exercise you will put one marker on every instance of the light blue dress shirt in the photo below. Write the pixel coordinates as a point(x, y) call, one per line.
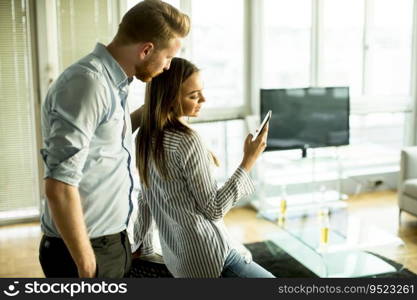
point(87, 142)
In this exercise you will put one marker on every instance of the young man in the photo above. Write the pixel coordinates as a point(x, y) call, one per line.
point(87, 145)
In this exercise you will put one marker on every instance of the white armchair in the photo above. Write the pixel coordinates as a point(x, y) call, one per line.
point(407, 186)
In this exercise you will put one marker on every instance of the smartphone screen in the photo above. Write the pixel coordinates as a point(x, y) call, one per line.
point(265, 120)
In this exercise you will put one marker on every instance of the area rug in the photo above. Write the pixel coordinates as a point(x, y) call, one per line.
point(281, 264)
point(269, 256)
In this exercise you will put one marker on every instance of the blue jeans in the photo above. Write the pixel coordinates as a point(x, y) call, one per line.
point(236, 266)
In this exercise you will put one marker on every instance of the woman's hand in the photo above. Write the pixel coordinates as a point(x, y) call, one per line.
point(253, 149)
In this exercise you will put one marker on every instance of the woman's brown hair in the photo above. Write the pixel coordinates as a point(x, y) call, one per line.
point(162, 111)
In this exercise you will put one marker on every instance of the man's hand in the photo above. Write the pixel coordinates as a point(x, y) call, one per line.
point(136, 254)
point(88, 269)
point(65, 205)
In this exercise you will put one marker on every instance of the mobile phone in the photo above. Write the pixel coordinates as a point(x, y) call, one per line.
point(261, 127)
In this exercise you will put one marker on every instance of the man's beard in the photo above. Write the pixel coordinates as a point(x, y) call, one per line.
point(144, 74)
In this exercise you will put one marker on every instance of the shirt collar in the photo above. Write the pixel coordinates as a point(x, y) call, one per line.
point(117, 75)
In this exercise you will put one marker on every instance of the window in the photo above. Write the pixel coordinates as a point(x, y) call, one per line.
point(286, 43)
point(378, 128)
point(216, 42)
point(388, 48)
point(225, 140)
point(81, 24)
point(364, 44)
point(19, 193)
point(216, 46)
point(367, 45)
point(341, 52)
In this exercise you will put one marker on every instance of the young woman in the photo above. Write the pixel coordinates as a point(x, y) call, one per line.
point(178, 188)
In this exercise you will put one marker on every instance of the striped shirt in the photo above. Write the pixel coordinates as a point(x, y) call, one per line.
point(188, 208)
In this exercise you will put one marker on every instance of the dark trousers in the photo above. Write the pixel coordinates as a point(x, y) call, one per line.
point(113, 256)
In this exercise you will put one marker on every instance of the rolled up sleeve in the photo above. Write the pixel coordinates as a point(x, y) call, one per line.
point(70, 118)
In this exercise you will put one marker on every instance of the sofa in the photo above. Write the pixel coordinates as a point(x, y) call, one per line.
point(407, 185)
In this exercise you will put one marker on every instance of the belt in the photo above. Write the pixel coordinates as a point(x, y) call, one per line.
point(103, 240)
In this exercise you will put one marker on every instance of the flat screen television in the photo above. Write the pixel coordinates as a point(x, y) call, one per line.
point(306, 117)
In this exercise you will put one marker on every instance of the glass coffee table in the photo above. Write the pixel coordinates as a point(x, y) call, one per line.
point(335, 249)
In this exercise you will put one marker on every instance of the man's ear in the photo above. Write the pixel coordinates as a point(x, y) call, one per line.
point(145, 49)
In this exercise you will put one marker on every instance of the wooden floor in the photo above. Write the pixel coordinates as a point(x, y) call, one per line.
point(19, 243)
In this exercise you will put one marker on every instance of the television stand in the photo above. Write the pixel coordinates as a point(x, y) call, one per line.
point(308, 182)
point(304, 151)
